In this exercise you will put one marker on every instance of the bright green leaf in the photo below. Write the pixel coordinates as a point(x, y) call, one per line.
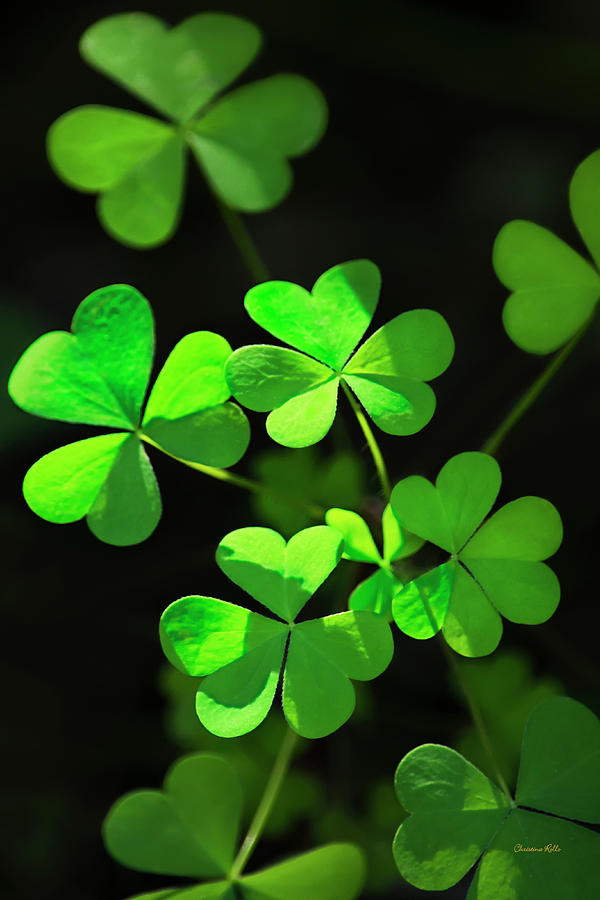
point(333, 872)
point(283, 577)
point(394, 542)
point(375, 594)
point(63, 485)
point(189, 828)
point(128, 506)
point(93, 148)
point(472, 626)
point(397, 405)
point(263, 378)
point(176, 70)
point(236, 699)
point(305, 419)
point(327, 323)
point(205, 634)
point(214, 437)
point(420, 607)
point(98, 374)
point(192, 379)
point(242, 143)
point(522, 591)
point(528, 528)
point(416, 344)
point(560, 761)
point(585, 208)
point(358, 541)
point(143, 208)
point(455, 812)
point(554, 290)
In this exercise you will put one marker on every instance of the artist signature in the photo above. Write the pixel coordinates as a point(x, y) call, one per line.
point(549, 848)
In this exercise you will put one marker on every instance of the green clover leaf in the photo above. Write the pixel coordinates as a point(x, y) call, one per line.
point(98, 374)
point(458, 815)
point(241, 653)
point(493, 569)
point(242, 142)
point(377, 591)
point(190, 829)
point(299, 389)
point(555, 290)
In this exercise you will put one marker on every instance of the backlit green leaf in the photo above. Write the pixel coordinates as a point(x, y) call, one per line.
point(98, 374)
point(93, 148)
point(176, 70)
point(528, 528)
point(554, 289)
point(327, 323)
point(420, 607)
point(189, 828)
point(472, 626)
point(358, 541)
point(242, 143)
point(263, 378)
point(283, 577)
point(213, 437)
point(63, 485)
point(458, 815)
point(375, 594)
point(583, 200)
point(397, 405)
point(305, 419)
point(333, 872)
point(416, 344)
point(192, 379)
point(128, 506)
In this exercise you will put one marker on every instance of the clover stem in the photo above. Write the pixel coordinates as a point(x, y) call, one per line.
point(477, 718)
point(531, 394)
point(244, 244)
point(278, 773)
point(371, 441)
point(313, 510)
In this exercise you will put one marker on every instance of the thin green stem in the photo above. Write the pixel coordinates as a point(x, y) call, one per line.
point(371, 441)
point(278, 773)
point(248, 484)
point(530, 396)
point(477, 717)
point(241, 238)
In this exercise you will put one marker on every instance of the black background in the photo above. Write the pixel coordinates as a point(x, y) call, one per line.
point(445, 123)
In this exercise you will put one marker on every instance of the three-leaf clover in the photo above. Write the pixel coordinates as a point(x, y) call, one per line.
point(98, 374)
point(137, 164)
point(190, 829)
point(376, 592)
point(241, 653)
point(555, 290)
point(300, 389)
point(459, 815)
point(493, 569)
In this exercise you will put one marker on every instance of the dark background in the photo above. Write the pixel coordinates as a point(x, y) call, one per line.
point(445, 123)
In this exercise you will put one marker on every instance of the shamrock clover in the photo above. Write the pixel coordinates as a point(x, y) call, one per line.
point(376, 592)
point(387, 373)
point(555, 290)
point(98, 375)
point(191, 829)
point(458, 815)
point(137, 164)
point(495, 569)
point(241, 653)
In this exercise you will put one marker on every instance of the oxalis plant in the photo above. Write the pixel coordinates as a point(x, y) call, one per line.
point(264, 640)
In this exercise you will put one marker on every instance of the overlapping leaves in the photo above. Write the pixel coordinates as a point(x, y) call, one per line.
point(242, 142)
point(555, 290)
point(377, 591)
point(98, 374)
point(242, 653)
point(190, 829)
point(300, 387)
point(493, 570)
point(527, 852)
